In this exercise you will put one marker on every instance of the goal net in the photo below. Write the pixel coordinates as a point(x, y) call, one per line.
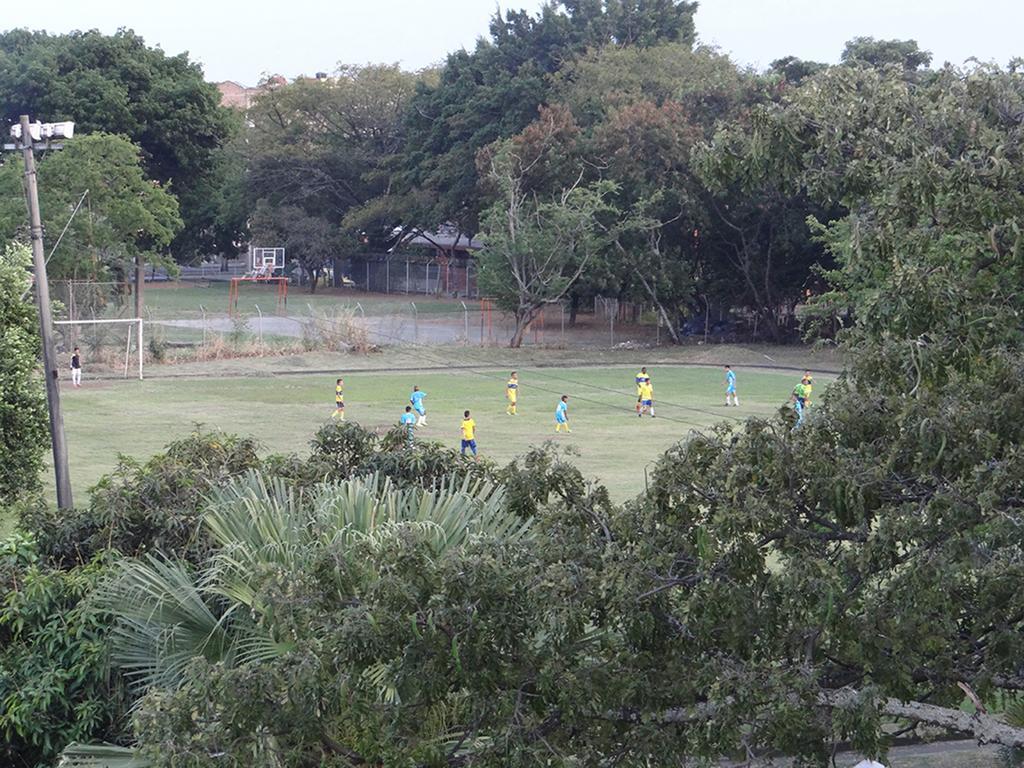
point(113, 346)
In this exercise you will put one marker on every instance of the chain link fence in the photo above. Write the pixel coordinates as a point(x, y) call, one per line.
point(197, 314)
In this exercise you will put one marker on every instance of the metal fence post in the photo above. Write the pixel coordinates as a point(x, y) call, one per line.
point(465, 317)
point(415, 322)
point(406, 275)
point(561, 306)
point(387, 276)
point(260, 322)
point(611, 324)
point(201, 309)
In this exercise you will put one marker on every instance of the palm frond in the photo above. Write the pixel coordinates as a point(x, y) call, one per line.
point(168, 615)
point(163, 621)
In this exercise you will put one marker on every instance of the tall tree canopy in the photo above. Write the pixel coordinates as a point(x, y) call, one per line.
point(869, 52)
point(321, 149)
point(124, 216)
point(496, 90)
point(117, 84)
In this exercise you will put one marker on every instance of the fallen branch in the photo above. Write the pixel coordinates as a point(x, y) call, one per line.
point(987, 729)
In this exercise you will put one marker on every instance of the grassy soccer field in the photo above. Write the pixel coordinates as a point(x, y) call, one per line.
point(138, 418)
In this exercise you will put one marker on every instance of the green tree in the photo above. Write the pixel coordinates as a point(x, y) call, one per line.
point(495, 91)
point(833, 568)
point(641, 112)
point(24, 430)
point(126, 219)
point(794, 70)
point(117, 84)
point(310, 241)
point(536, 250)
point(927, 251)
point(324, 147)
point(869, 52)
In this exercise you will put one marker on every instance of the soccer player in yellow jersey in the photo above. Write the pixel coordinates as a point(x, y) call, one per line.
point(468, 434)
point(646, 399)
point(641, 379)
point(512, 393)
point(339, 399)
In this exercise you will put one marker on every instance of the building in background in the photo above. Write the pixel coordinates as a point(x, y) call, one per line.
point(237, 96)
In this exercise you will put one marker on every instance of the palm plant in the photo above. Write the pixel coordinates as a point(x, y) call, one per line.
point(169, 613)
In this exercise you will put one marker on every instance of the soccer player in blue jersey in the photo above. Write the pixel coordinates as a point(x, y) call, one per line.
point(730, 387)
point(408, 421)
point(562, 415)
point(416, 399)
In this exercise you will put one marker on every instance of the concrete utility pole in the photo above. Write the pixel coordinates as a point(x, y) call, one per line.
point(51, 376)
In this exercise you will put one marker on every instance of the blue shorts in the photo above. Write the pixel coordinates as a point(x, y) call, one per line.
point(731, 389)
point(560, 419)
point(646, 402)
point(420, 410)
point(471, 444)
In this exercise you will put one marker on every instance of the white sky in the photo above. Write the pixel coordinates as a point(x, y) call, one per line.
point(236, 40)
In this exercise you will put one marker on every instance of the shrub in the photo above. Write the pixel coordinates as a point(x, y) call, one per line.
point(139, 507)
point(54, 680)
point(338, 449)
point(541, 476)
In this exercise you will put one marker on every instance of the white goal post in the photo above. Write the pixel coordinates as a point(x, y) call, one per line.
point(133, 323)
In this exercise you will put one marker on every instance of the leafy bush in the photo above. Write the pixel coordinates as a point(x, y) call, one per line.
point(157, 346)
point(55, 687)
point(427, 464)
point(341, 450)
point(338, 449)
point(542, 475)
point(140, 507)
point(24, 435)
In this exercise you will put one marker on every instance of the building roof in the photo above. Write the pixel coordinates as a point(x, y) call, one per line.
point(445, 239)
point(236, 95)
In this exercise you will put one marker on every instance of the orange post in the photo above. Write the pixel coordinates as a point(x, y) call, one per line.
point(281, 284)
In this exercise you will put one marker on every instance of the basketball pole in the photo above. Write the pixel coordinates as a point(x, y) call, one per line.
point(57, 438)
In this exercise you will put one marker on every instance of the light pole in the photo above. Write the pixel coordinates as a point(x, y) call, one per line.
point(26, 134)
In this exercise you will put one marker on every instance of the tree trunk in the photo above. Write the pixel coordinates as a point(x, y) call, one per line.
point(523, 319)
point(140, 267)
point(574, 307)
point(673, 331)
point(314, 278)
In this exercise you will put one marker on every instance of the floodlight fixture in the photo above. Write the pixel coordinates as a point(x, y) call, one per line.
point(38, 131)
